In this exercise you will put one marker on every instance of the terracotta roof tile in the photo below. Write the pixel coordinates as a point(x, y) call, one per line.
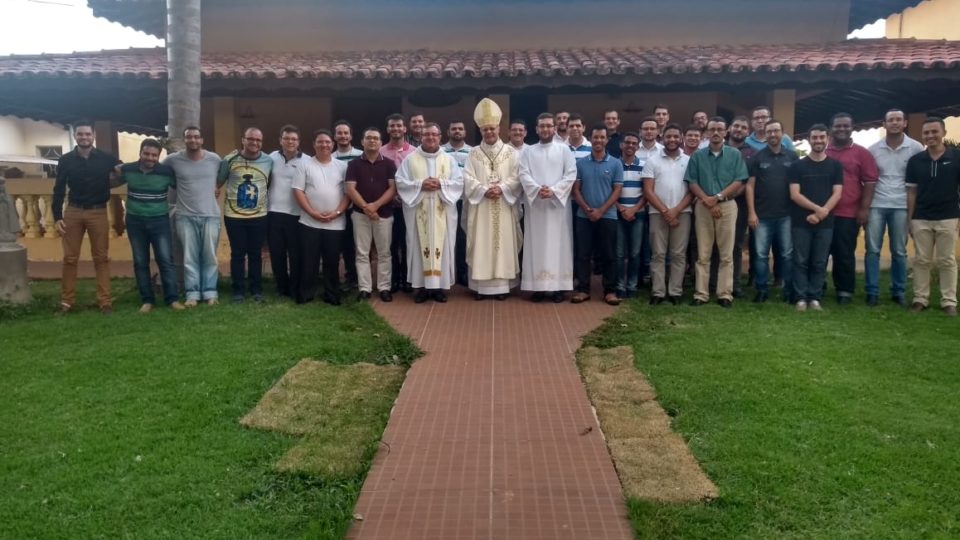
point(850, 55)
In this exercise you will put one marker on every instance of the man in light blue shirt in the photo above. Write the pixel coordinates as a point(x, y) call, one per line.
point(596, 191)
point(758, 139)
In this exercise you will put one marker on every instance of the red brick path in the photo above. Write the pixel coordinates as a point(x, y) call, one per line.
point(492, 435)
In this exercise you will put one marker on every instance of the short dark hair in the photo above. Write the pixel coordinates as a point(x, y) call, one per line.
point(251, 128)
point(689, 128)
point(838, 116)
point(371, 128)
point(633, 134)
point(648, 119)
point(661, 106)
point(611, 111)
point(82, 123)
point(342, 122)
point(395, 117)
point(544, 116)
point(819, 126)
point(452, 122)
point(886, 114)
point(598, 127)
point(935, 120)
point(774, 121)
point(417, 113)
point(698, 111)
point(518, 121)
point(761, 108)
point(320, 132)
point(676, 126)
point(152, 143)
point(192, 128)
point(575, 116)
point(740, 118)
point(718, 119)
point(433, 124)
point(289, 128)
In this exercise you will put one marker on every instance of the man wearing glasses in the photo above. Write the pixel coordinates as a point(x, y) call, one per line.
point(758, 139)
point(246, 176)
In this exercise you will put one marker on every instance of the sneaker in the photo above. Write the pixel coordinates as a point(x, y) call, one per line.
point(815, 305)
point(258, 298)
point(192, 303)
point(64, 308)
point(146, 308)
point(177, 306)
point(844, 300)
point(801, 305)
point(212, 301)
point(612, 299)
point(760, 298)
point(238, 299)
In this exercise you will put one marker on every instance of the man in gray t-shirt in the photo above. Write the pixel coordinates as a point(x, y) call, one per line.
point(197, 216)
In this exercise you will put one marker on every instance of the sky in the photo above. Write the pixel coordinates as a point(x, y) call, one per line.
point(65, 26)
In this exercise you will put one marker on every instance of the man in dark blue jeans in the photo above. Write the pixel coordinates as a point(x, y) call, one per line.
point(148, 222)
point(816, 183)
point(596, 191)
point(768, 208)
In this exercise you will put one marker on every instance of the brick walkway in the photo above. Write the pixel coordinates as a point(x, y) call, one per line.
point(492, 435)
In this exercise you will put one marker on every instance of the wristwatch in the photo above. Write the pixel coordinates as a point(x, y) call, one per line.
point(721, 197)
point(339, 212)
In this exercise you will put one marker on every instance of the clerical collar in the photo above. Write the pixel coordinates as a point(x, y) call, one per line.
point(430, 154)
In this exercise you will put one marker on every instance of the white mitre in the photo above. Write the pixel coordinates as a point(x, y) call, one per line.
point(487, 113)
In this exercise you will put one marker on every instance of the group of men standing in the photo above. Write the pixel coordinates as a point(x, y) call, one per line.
point(543, 216)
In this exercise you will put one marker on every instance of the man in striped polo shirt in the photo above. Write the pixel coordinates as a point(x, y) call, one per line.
point(575, 140)
point(148, 223)
point(630, 211)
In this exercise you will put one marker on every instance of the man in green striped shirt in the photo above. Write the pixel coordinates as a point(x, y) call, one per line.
point(148, 222)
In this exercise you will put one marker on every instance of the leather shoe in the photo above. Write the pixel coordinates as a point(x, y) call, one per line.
point(537, 297)
point(477, 296)
point(611, 299)
point(696, 302)
point(725, 302)
point(407, 288)
point(421, 296)
point(439, 296)
point(364, 295)
point(950, 311)
point(844, 300)
point(656, 300)
point(385, 296)
point(500, 297)
point(579, 298)
point(675, 300)
point(760, 298)
point(900, 301)
point(917, 307)
point(558, 297)
point(871, 300)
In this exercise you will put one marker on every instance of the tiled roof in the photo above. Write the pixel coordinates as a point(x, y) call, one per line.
point(853, 55)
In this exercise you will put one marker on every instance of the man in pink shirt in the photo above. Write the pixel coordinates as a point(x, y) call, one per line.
point(859, 180)
point(396, 151)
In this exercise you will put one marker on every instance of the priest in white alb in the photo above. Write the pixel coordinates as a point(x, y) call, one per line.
point(491, 186)
point(548, 171)
point(429, 183)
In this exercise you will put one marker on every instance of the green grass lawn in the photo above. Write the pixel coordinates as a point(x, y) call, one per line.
point(127, 426)
point(841, 424)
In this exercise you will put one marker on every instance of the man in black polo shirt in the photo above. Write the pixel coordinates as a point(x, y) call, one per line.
point(933, 207)
point(768, 208)
point(85, 171)
point(371, 186)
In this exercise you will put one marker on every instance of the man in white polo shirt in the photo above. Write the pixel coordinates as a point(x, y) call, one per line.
point(669, 207)
point(320, 193)
point(283, 213)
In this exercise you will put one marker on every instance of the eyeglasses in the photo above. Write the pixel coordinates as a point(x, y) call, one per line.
point(250, 139)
